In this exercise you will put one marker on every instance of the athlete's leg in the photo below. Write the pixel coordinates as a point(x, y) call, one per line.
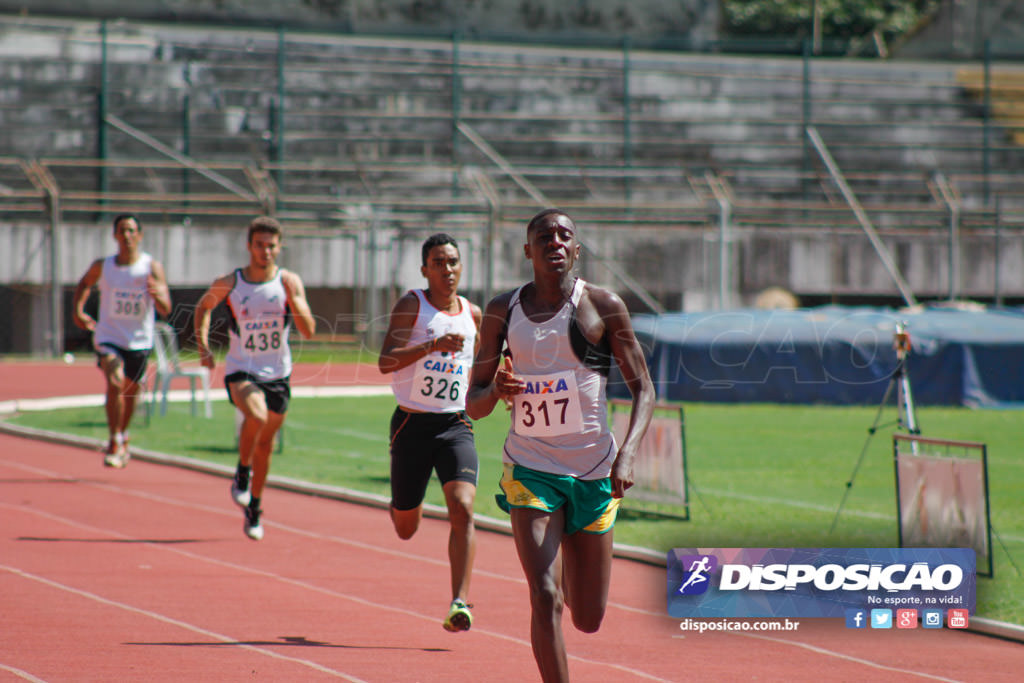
point(410, 473)
point(134, 370)
point(112, 366)
point(459, 495)
point(587, 571)
point(406, 522)
point(538, 537)
point(262, 449)
point(129, 396)
point(256, 440)
point(249, 399)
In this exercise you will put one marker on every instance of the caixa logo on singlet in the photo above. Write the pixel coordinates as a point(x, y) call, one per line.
point(553, 386)
point(696, 573)
point(443, 366)
point(260, 325)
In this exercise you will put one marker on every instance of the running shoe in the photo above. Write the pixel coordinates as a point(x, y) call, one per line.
point(253, 526)
point(459, 617)
point(116, 458)
point(240, 489)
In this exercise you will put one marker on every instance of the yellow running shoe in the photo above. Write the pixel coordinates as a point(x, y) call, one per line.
point(459, 617)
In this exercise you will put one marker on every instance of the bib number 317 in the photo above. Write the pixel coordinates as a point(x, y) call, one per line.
point(549, 406)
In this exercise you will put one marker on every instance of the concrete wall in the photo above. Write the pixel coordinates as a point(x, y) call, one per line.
point(645, 21)
point(538, 107)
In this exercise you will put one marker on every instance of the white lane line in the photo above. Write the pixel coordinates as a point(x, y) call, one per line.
point(176, 622)
point(221, 511)
point(432, 619)
point(21, 674)
point(388, 551)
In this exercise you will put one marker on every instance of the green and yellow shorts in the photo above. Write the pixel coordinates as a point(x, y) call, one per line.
point(589, 505)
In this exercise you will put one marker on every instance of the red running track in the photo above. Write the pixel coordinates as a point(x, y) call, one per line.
point(145, 574)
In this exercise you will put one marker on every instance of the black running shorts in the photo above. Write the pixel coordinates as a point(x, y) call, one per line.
point(277, 391)
point(134, 361)
point(424, 442)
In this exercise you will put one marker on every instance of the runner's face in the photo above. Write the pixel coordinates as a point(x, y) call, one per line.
point(552, 245)
point(263, 249)
point(443, 270)
point(128, 235)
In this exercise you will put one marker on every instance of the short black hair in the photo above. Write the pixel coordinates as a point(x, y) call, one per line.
point(436, 240)
point(536, 220)
point(125, 216)
point(267, 225)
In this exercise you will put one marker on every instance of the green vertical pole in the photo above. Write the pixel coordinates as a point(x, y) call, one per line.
point(456, 113)
point(986, 162)
point(997, 293)
point(806, 111)
point(627, 120)
point(186, 130)
point(279, 112)
point(102, 144)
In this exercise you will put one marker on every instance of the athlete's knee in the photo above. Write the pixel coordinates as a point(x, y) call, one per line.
point(546, 597)
point(460, 510)
point(587, 618)
point(406, 522)
point(116, 382)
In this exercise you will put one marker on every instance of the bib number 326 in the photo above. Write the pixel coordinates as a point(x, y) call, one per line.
point(549, 406)
point(440, 384)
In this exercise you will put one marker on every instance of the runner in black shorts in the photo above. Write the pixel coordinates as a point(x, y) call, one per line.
point(264, 302)
point(425, 442)
point(428, 350)
point(277, 392)
point(133, 289)
point(134, 363)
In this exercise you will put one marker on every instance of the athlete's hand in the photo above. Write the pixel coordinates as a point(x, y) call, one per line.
point(85, 322)
point(506, 384)
point(206, 358)
point(155, 287)
point(451, 342)
point(622, 476)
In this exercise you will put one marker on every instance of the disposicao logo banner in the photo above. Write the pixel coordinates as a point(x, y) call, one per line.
point(816, 582)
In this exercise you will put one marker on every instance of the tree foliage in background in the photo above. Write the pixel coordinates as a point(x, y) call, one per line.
point(840, 19)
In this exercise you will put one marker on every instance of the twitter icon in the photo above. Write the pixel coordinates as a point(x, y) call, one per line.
point(881, 618)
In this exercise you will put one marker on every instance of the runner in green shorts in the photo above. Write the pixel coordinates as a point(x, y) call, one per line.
point(564, 473)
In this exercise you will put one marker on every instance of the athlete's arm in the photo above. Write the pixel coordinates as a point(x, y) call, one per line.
point(156, 285)
point(630, 359)
point(301, 314)
point(81, 295)
point(210, 299)
point(490, 383)
point(395, 351)
point(478, 317)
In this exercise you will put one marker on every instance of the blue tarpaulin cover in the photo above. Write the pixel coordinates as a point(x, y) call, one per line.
point(833, 355)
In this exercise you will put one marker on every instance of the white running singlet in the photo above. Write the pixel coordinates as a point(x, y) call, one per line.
point(560, 422)
point(437, 383)
point(260, 325)
point(127, 312)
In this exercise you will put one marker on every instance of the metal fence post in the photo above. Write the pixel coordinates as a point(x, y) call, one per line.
point(186, 130)
point(101, 123)
point(456, 112)
point(627, 120)
point(278, 146)
point(987, 123)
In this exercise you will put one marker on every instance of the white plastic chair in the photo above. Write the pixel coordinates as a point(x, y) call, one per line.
point(168, 366)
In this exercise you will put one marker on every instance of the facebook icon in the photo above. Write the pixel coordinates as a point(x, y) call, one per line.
point(856, 618)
